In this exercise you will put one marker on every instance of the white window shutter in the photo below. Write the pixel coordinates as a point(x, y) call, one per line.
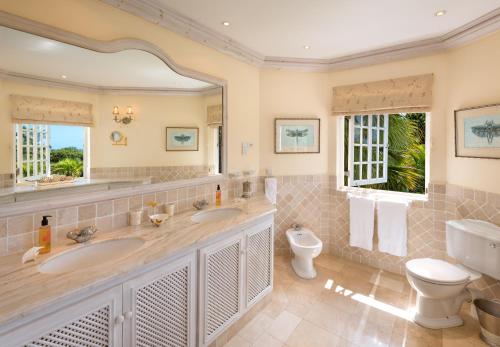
point(368, 149)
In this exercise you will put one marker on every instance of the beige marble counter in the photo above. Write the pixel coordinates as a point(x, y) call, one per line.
point(24, 290)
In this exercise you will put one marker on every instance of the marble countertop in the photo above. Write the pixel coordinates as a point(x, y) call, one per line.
point(24, 290)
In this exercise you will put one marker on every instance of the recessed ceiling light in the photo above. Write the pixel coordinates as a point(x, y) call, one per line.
point(307, 47)
point(226, 24)
point(64, 77)
point(440, 13)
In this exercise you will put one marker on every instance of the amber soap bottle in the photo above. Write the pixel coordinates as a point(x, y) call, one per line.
point(44, 235)
point(218, 196)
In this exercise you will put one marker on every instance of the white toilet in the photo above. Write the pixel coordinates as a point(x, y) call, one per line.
point(441, 286)
point(305, 246)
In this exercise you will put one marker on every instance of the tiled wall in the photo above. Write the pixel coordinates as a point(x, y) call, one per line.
point(157, 173)
point(19, 233)
point(426, 228)
point(302, 200)
point(6, 180)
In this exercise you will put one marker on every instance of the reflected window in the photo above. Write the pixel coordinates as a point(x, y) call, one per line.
point(43, 150)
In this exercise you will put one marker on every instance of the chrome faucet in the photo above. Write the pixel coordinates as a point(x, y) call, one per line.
point(82, 235)
point(296, 226)
point(200, 204)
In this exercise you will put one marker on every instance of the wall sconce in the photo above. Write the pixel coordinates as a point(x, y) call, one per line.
point(127, 119)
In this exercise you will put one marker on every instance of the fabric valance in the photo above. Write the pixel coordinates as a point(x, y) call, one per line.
point(30, 109)
point(214, 115)
point(399, 95)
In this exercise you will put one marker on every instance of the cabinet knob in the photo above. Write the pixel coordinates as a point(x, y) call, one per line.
point(128, 315)
point(119, 319)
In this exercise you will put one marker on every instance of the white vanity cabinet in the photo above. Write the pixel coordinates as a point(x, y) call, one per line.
point(90, 322)
point(182, 302)
point(234, 274)
point(160, 306)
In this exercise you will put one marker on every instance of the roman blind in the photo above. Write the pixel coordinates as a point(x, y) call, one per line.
point(32, 110)
point(398, 95)
point(214, 116)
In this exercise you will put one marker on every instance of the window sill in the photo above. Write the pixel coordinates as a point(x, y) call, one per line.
point(384, 194)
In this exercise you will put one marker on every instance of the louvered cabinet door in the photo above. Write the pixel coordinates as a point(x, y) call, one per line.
point(259, 262)
point(93, 322)
point(160, 306)
point(221, 284)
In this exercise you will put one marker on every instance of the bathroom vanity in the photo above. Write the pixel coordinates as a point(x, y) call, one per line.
point(182, 286)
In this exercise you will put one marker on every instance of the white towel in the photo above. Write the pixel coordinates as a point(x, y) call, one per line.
point(271, 189)
point(361, 220)
point(391, 227)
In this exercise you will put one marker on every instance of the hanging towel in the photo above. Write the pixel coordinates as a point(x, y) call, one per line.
point(361, 220)
point(391, 227)
point(271, 189)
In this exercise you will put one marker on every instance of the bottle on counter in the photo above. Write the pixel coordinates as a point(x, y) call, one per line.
point(44, 235)
point(218, 196)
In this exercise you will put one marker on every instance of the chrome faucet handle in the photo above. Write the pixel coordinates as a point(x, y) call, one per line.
point(200, 204)
point(296, 226)
point(82, 235)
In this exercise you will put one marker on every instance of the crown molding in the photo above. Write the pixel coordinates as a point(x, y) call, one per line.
point(178, 23)
point(113, 90)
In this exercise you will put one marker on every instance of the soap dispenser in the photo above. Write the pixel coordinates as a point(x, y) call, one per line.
point(218, 196)
point(44, 235)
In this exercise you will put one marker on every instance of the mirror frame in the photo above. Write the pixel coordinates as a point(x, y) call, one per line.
point(43, 30)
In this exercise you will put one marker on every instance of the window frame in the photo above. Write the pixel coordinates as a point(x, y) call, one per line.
point(35, 150)
point(341, 174)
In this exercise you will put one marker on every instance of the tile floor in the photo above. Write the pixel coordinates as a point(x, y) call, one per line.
point(348, 304)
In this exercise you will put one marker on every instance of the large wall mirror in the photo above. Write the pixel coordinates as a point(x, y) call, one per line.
point(76, 119)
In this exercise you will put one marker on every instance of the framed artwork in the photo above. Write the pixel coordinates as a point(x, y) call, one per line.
point(477, 132)
point(182, 139)
point(296, 135)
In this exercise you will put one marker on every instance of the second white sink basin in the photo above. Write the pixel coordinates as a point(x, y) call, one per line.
point(90, 255)
point(215, 214)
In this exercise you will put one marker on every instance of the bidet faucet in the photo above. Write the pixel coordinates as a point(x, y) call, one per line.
point(83, 235)
point(296, 226)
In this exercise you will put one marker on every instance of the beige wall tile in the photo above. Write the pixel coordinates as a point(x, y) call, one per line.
point(87, 212)
point(67, 216)
point(19, 242)
point(19, 225)
point(120, 206)
point(105, 208)
point(3, 227)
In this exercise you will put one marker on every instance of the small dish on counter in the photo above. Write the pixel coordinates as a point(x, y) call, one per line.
point(158, 219)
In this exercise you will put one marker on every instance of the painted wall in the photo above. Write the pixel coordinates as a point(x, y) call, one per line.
point(474, 81)
point(100, 21)
point(293, 94)
point(146, 134)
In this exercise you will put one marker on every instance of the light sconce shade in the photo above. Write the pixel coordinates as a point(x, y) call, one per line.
point(125, 119)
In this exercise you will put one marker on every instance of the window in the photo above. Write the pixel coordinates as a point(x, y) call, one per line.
point(385, 151)
point(33, 150)
point(43, 150)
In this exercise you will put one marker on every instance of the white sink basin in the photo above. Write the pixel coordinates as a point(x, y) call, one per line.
point(90, 255)
point(215, 214)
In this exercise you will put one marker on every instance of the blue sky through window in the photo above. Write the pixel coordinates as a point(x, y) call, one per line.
point(62, 136)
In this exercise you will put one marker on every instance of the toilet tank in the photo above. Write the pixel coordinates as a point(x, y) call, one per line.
point(475, 244)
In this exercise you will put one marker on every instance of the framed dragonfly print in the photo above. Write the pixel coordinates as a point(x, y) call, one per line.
point(182, 139)
point(477, 132)
point(296, 135)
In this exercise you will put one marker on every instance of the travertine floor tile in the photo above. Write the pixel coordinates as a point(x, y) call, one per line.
point(348, 304)
point(283, 326)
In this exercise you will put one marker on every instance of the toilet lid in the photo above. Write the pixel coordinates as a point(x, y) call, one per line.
point(436, 271)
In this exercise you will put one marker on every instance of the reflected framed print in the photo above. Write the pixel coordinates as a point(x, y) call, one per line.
point(477, 132)
point(182, 138)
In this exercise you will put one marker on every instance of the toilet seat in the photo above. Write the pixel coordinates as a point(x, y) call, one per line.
point(437, 271)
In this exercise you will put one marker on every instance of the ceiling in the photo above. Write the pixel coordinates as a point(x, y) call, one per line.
point(331, 28)
point(32, 55)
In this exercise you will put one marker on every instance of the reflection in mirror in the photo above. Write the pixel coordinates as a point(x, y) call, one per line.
point(82, 120)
